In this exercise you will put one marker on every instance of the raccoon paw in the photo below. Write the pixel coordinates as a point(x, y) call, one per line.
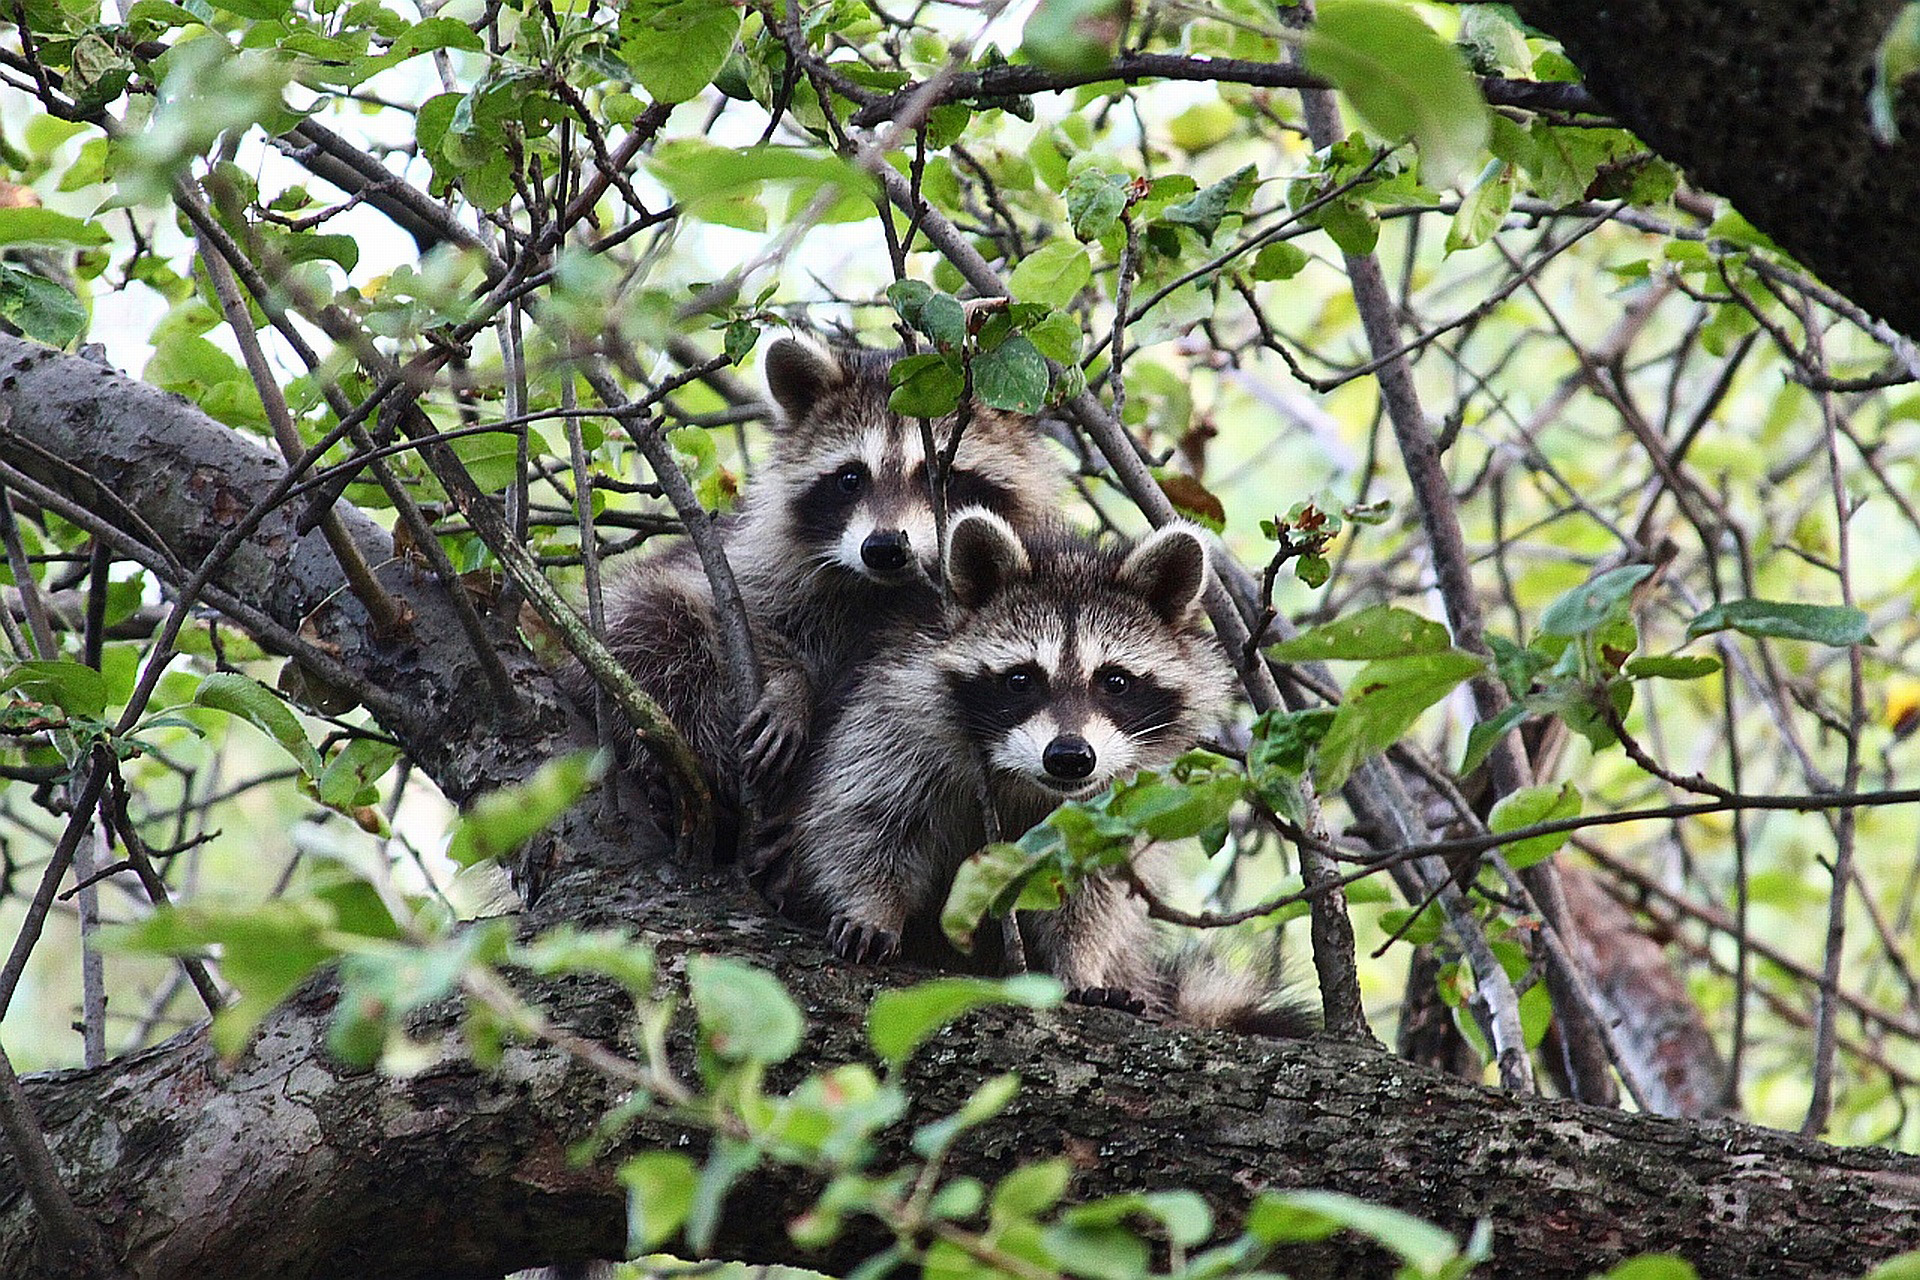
point(771, 739)
point(770, 866)
point(862, 943)
point(1108, 998)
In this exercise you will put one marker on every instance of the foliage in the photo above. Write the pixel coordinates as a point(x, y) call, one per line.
point(1675, 475)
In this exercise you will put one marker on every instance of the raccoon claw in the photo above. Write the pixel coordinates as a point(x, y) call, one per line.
point(1108, 998)
point(862, 943)
point(774, 732)
point(770, 867)
point(768, 750)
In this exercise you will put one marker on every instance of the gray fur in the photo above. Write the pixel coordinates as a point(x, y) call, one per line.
point(814, 610)
point(888, 809)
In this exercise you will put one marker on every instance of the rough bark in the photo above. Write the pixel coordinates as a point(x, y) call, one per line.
point(1656, 1023)
point(1766, 104)
point(150, 463)
point(285, 1164)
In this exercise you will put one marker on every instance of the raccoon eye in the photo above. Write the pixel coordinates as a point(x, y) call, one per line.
point(1114, 681)
point(851, 478)
point(1018, 681)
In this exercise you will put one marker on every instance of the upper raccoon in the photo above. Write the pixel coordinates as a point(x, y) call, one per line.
point(1058, 666)
point(836, 538)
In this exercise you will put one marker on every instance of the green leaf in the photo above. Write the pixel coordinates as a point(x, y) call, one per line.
point(1594, 602)
point(901, 1020)
point(1013, 376)
point(42, 309)
point(698, 172)
point(676, 47)
point(1095, 201)
point(907, 297)
point(1057, 337)
point(1277, 758)
point(1279, 1217)
point(1483, 209)
point(1672, 667)
point(1184, 1214)
point(924, 386)
point(1074, 35)
point(1031, 1190)
point(1382, 703)
point(986, 1102)
point(745, 1014)
point(1381, 631)
point(660, 1187)
point(502, 820)
point(612, 953)
point(264, 709)
point(435, 33)
point(1485, 733)
point(1101, 1252)
point(943, 319)
point(265, 952)
point(1281, 260)
point(1904, 1267)
point(1353, 227)
point(1528, 807)
point(74, 687)
point(33, 225)
point(1828, 624)
point(1493, 36)
point(349, 777)
point(1404, 80)
point(1663, 1266)
point(960, 1198)
point(1204, 210)
point(979, 886)
point(255, 8)
point(1426, 927)
point(1897, 57)
point(1164, 809)
point(1053, 274)
point(727, 1160)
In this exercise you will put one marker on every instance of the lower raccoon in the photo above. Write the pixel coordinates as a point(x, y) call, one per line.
point(835, 540)
point(1058, 666)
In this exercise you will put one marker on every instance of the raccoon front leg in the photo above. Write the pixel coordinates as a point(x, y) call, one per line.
point(1100, 944)
point(774, 731)
point(871, 841)
point(871, 890)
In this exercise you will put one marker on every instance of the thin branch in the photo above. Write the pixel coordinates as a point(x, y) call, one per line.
point(1017, 81)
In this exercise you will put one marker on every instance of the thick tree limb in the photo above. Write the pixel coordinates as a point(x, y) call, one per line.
point(150, 463)
point(288, 1165)
point(1767, 104)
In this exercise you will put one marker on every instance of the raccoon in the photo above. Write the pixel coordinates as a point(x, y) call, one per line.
point(836, 538)
point(1058, 666)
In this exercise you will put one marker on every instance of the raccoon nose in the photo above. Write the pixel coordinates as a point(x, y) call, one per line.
point(1070, 756)
point(885, 550)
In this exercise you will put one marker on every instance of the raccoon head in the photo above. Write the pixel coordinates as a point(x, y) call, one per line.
point(851, 474)
point(1069, 664)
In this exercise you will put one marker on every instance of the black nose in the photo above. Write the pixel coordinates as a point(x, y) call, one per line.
point(885, 551)
point(1068, 757)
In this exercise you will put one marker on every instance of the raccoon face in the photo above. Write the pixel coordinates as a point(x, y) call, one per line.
point(1072, 665)
point(854, 473)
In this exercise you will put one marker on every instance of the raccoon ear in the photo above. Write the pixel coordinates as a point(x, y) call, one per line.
point(1169, 570)
point(983, 556)
point(799, 371)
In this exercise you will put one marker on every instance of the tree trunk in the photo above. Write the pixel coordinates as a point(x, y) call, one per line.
point(287, 1165)
point(1767, 105)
